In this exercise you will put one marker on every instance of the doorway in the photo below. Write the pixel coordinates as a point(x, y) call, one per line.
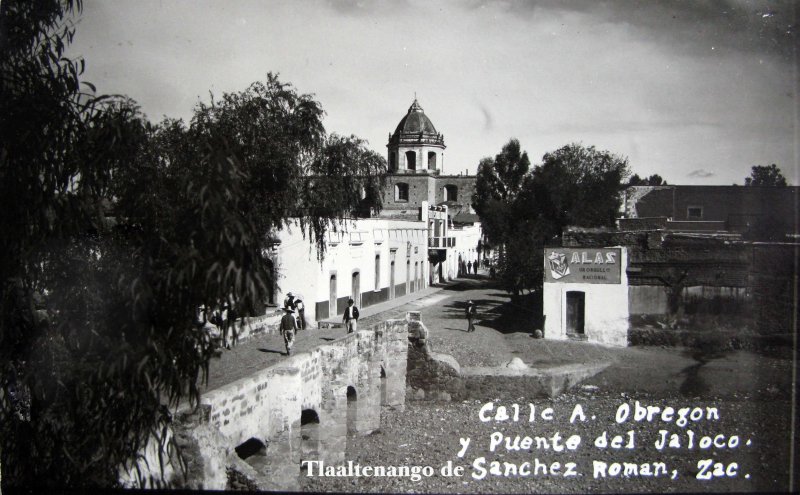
point(391, 280)
point(356, 287)
point(576, 306)
point(332, 297)
point(408, 276)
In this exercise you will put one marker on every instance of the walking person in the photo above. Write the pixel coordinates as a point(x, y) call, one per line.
point(231, 322)
point(226, 325)
point(288, 328)
point(301, 312)
point(216, 320)
point(350, 317)
point(470, 313)
point(289, 302)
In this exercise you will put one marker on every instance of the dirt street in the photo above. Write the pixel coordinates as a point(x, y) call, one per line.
point(748, 433)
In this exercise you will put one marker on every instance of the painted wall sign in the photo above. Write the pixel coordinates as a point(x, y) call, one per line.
point(582, 266)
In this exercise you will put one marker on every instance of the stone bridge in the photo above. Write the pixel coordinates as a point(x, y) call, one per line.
point(254, 433)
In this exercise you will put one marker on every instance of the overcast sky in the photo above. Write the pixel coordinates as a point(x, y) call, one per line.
point(697, 92)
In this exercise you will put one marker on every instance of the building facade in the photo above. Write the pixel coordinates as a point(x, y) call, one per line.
point(370, 260)
point(754, 211)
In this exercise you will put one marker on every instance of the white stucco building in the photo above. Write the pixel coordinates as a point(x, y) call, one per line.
point(585, 294)
point(371, 260)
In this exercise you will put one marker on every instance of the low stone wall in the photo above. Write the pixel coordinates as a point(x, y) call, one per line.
point(434, 376)
point(549, 382)
point(720, 340)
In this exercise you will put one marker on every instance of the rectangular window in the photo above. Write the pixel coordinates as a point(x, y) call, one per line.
point(694, 213)
point(401, 192)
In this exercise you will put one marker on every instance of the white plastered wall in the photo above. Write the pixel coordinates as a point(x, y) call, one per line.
point(605, 312)
point(299, 271)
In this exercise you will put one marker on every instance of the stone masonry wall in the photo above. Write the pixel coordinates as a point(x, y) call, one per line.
point(263, 414)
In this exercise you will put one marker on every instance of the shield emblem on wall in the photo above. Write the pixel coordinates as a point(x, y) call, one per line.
point(559, 266)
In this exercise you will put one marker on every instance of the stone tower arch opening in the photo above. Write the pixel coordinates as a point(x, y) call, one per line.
point(450, 192)
point(431, 160)
point(401, 192)
point(411, 160)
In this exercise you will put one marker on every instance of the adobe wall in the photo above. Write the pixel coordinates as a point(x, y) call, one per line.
point(301, 409)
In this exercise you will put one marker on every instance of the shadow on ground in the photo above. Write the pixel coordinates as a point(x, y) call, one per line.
point(273, 351)
point(707, 350)
point(523, 314)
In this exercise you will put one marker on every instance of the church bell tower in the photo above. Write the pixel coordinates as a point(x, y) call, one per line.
point(415, 147)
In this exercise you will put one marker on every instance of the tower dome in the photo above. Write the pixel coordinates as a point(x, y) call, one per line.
point(414, 122)
point(415, 146)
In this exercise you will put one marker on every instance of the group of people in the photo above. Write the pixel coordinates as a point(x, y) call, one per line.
point(466, 268)
point(291, 323)
point(223, 318)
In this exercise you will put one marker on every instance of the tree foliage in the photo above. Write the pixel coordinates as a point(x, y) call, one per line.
point(115, 231)
point(765, 175)
point(523, 211)
point(579, 185)
point(498, 183)
point(653, 180)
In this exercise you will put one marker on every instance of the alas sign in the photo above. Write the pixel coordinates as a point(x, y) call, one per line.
point(582, 266)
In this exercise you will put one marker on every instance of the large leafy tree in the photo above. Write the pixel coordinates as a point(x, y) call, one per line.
point(765, 175)
point(498, 183)
point(116, 230)
point(579, 185)
point(523, 210)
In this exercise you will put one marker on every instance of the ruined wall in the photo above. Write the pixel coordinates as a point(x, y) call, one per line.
point(430, 376)
point(713, 277)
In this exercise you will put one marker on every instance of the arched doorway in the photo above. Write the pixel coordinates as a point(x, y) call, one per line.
point(332, 296)
point(309, 436)
point(352, 410)
point(356, 289)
